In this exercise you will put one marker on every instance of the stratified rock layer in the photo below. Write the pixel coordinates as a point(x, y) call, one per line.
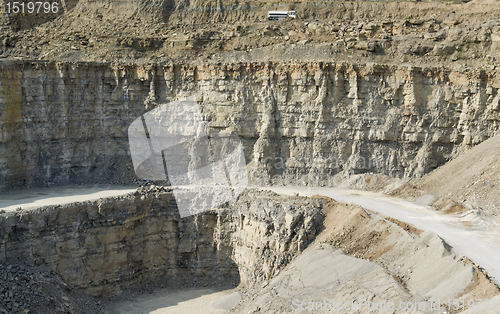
point(300, 123)
point(122, 243)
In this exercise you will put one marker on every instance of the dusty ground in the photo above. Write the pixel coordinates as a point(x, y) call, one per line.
point(182, 301)
point(35, 198)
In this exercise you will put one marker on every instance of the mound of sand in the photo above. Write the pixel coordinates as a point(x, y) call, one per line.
point(361, 256)
point(473, 178)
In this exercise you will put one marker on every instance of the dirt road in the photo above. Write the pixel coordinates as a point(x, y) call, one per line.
point(35, 198)
point(182, 301)
point(469, 235)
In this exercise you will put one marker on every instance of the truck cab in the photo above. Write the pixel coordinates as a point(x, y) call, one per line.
point(281, 15)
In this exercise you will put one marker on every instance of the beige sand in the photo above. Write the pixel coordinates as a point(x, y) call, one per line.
point(186, 301)
point(472, 178)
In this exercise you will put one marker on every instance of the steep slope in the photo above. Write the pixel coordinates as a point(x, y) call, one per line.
point(300, 119)
point(472, 178)
point(359, 257)
point(300, 123)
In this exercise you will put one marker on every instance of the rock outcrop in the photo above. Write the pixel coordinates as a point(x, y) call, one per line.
point(300, 123)
point(124, 243)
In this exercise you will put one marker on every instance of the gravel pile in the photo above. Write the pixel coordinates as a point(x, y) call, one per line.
point(28, 288)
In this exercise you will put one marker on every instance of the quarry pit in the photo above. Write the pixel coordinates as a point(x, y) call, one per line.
point(369, 133)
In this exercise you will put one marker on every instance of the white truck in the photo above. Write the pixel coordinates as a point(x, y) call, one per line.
point(281, 15)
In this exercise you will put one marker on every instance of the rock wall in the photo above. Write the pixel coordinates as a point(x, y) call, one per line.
point(121, 243)
point(300, 123)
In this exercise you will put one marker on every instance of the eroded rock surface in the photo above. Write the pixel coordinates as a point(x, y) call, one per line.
point(362, 262)
point(115, 244)
point(300, 123)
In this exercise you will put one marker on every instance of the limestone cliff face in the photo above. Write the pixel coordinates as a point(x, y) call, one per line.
point(299, 123)
point(114, 244)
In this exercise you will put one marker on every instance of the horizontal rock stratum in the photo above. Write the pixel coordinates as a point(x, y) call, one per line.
point(123, 243)
point(275, 248)
point(64, 123)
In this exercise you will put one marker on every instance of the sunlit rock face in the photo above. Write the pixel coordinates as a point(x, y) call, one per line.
point(300, 123)
point(120, 243)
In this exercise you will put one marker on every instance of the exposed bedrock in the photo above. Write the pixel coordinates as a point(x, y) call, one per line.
point(124, 243)
point(227, 11)
point(300, 123)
